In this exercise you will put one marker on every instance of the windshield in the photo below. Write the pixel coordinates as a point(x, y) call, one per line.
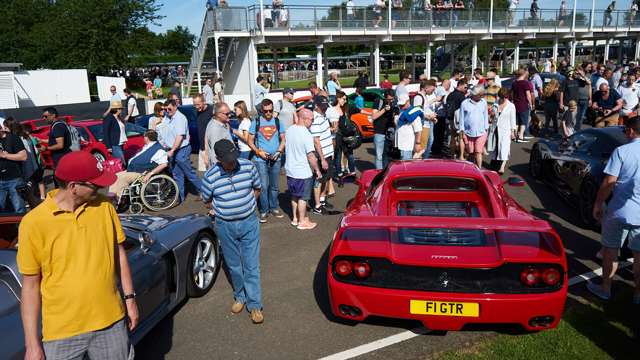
point(131, 129)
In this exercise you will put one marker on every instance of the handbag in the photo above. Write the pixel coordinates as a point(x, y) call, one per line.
point(352, 142)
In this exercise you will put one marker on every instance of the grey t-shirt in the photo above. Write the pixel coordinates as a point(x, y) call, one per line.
point(285, 111)
point(215, 131)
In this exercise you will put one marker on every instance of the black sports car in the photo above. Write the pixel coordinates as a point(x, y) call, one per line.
point(574, 167)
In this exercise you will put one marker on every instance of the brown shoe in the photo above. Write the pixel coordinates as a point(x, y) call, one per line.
point(237, 307)
point(256, 316)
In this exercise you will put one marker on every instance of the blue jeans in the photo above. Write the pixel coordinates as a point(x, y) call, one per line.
point(8, 187)
point(350, 160)
point(378, 142)
point(406, 154)
point(245, 154)
point(117, 152)
point(522, 119)
point(427, 151)
point(240, 242)
point(269, 179)
point(181, 168)
point(582, 110)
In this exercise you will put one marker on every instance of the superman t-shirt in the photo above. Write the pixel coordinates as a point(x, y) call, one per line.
point(267, 137)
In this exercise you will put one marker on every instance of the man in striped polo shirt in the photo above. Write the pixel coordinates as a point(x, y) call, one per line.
point(232, 186)
point(323, 143)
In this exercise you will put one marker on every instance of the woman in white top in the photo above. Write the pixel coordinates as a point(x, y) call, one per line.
point(242, 133)
point(505, 127)
point(156, 122)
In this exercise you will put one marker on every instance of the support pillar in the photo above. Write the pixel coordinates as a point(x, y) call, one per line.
point(491, 17)
point(555, 50)
point(516, 57)
point(376, 63)
point(607, 47)
point(427, 63)
point(199, 83)
point(573, 52)
point(276, 81)
point(474, 55)
point(216, 50)
point(637, 54)
point(413, 61)
point(254, 71)
point(452, 59)
point(319, 79)
point(575, 10)
point(593, 13)
point(620, 50)
point(261, 16)
point(594, 50)
point(325, 63)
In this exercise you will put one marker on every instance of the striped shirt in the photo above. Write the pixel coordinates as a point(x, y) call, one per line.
point(231, 194)
point(321, 128)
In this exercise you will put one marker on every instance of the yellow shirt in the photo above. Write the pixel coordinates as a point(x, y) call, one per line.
point(75, 253)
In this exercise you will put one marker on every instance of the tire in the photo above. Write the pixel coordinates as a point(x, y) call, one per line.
point(535, 163)
point(204, 264)
point(586, 200)
point(159, 193)
point(99, 156)
point(136, 208)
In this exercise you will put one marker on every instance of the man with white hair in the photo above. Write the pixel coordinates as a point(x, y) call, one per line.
point(474, 122)
point(607, 103)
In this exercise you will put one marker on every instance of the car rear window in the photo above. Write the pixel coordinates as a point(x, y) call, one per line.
point(434, 184)
point(441, 237)
point(438, 209)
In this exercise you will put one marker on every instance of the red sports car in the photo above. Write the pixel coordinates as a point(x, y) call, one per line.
point(441, 242)
point(90, 132)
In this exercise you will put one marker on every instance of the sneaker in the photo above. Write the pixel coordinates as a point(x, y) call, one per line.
point(522, 141)
point(237, 307)
point(598, 291)
point(277, 213)
point(321, 210)
point(326, 205)
point(528, 137)
point(256, 316)
point(263, 218)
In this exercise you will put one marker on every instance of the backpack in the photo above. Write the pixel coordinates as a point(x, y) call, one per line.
point(74, 136)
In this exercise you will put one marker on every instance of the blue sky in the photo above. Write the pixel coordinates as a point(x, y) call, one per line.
point(190, 13)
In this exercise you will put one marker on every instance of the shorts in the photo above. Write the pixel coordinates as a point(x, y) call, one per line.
point(615, 232)
point(522, 118)
point(202, 161)
point(475, 144)
point(326, 174)
point(300, 188)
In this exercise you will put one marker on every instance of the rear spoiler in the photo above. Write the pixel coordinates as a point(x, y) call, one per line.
point(454, 223)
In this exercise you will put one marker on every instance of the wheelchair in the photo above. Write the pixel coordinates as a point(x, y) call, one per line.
point(157, 194)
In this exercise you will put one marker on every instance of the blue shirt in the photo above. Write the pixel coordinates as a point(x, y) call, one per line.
point(359, 102)
point(625, 165)
point(299, 144)
point(474, 117)
point(268, 137)
point(176, 125)
point(231, 194)
point(332, 87)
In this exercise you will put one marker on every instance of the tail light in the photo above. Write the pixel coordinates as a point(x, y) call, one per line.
point(551, 276)
point(530, 276)
point(361, 270)
point(343, 268)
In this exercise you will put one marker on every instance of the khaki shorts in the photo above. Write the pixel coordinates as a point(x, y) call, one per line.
point(202, 161)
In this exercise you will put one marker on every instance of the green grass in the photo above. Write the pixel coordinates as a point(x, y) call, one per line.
point(587, 331)
point(345, 81)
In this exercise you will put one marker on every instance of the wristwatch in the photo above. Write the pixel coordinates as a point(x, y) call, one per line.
point(129, 296)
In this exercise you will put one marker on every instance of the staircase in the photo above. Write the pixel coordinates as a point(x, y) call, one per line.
point(199, 52)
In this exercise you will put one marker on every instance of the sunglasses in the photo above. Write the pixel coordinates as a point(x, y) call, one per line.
point(267, 111)
point(228, 113)
point(89, 185)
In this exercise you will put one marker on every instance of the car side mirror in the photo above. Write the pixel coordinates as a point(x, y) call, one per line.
point(145, 241)
point(515, 181)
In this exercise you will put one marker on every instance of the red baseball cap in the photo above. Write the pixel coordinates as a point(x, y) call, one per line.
point(81, 166)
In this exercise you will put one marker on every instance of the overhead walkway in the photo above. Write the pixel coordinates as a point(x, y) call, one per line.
point(235, 33)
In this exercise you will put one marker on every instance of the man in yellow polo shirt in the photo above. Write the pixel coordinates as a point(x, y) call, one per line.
point(70, 254)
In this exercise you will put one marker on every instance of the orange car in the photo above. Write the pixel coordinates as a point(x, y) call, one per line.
point(362, 120)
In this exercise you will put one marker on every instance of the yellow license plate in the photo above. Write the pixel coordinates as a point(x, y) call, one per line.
point(444, 308)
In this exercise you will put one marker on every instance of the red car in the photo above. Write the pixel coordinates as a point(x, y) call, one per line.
point(90, 132)
point(442, 242)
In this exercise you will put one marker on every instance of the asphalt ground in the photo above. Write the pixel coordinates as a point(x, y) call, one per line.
point(298, 323)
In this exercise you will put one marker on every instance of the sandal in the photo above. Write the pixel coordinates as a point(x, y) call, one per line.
point(294, 223)
point(331, 195)
point(307, 226)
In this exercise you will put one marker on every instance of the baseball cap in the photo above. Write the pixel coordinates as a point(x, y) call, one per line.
point(321, 102)
point(289, 91)
point(226, 151)
point(403, 99)
point(81, 166)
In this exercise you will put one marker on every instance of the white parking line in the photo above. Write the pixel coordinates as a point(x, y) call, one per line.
point(406, 335)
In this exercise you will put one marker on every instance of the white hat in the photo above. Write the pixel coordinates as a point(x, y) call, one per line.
point(403, 99)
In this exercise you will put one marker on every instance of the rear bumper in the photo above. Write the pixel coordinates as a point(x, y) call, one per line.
point(494, 308)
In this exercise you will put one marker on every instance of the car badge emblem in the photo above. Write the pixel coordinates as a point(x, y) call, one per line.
point(444, 279)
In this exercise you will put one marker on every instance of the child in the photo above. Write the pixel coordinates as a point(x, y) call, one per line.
point(569, 119)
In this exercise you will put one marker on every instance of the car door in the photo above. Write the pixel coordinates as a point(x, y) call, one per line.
point(576, 159)
point(150, 273)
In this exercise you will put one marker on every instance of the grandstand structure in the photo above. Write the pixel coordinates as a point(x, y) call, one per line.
point(231, 36)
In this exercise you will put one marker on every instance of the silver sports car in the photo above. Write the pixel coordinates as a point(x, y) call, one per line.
point(170, 258)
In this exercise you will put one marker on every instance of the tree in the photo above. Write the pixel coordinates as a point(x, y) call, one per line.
point(178, 41)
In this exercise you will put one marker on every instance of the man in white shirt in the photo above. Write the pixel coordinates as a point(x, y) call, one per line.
point(207, 91)
point(284, 109)
point(547, 66)
point(218, 90)
point(401, 88)
point(513, 5)
point(429, 102)
point(630, 96)
point(150, 160)
point(350, 11)
point(409, 128)
point(260, 93)
point(132, 106)
point(323, 143)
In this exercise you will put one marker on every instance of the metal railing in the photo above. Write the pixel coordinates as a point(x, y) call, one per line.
point(303, 17)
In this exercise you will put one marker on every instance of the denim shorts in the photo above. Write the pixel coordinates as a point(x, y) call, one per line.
point(615, 232)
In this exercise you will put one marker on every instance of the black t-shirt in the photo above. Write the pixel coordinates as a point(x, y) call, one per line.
point(384, 122)
point(610, 102)
point(10, 169)
point(203, 120)
point(575, 89)
point(59, 129)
